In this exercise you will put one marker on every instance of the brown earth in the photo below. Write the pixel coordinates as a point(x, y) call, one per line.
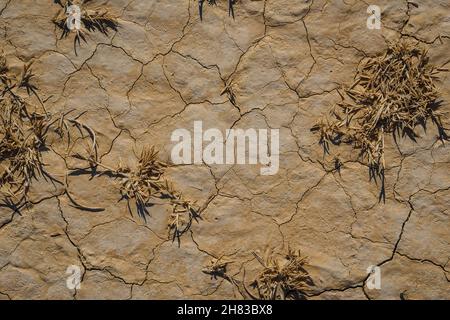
point(164, 68)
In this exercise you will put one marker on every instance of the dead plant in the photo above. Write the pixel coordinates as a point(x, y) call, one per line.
point(145, 183)
point(392, 94)
point(92, 19)
point(24, 127)
point(22, 134)
point(282, 278)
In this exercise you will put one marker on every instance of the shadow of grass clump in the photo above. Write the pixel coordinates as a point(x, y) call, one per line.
point(392, 94)
point(92, 20)
point(230, 4)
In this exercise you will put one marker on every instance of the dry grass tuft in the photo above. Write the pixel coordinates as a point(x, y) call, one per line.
point(392, 94)
point(281, 278)
point(231, 3)
point(22, 136)
point(96, 19)
point(144, 184)
point(147, 182)
point(24, 128)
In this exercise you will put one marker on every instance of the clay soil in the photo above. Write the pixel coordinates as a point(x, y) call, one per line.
point(279, 64)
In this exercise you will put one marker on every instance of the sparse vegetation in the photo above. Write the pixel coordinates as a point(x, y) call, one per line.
point(22, 133)
point(24, 128)
point(282, 278)
point(92, 19)
point(146, 182)
point(392, 94)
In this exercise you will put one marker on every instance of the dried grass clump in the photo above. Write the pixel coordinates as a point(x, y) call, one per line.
point(392, 94)
point(282, 278)
point(96, 19)
point(144, 184)
point(24, 128)
point(22, 136)
point(214, 2)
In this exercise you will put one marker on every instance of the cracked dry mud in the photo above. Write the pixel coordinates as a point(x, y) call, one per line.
point(162, 70)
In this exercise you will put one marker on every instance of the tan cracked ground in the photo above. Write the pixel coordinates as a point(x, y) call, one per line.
point(163, 69)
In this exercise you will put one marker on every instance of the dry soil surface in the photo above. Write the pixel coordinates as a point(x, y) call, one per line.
point(162, 70)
